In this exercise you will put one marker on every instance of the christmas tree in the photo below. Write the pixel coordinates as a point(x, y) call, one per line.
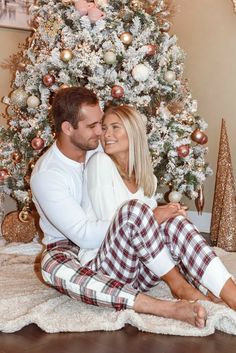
point(122, 50)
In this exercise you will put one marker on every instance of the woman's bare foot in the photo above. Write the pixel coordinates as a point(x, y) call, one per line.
point(191, 312)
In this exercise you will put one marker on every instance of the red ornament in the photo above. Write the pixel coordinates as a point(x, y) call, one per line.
point(183, 151)
point(4, 174)
point(48, 80)
point(151, 49)
point(37, 143)
point(117, 91)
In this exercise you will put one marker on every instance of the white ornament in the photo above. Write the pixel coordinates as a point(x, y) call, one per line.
point(33, 102)
point(175, 196)
point(109, 57)
point(140, 72)
point(170, 76)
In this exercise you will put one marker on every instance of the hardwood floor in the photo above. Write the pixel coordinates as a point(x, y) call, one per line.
point(128, 340)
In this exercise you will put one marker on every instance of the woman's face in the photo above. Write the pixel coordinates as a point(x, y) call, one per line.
point(114, 136)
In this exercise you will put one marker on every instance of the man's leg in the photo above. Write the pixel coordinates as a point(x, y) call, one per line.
point(61, 269)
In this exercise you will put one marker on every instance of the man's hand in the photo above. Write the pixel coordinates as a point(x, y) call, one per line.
point(172, 209)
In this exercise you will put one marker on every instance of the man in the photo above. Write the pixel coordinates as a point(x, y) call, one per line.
point(57, 185)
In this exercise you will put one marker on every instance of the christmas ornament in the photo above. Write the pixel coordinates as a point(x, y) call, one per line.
point(48, 80)
point(175, 196)
point(83, 6)
point(16, 157)
point(33, 102)
point(165, 27)
point(37, 143)
point(140, 73)
point(66, 55)
point(109, 57)
point(151, 49)
point(4, 174)
point(183, 151)
point(19, 97)
point(95, 14)
point(10, 111)
point(67, 2)
point(197, 135)
point(21, 66)
point(199, 201)
point(223, 221)
point(117, 91)
point(102, 3)
point(24, 216)
point(126, 38)
point(204, 140)
point(170, 76)
point(13, 230)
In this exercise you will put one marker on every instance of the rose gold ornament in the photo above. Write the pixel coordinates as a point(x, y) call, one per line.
point(16, 157)
point(4, 174)
point(151, 49)
point(200, 201)
point(66, 55)
point(183, 151)
point(117, 91)
point(197, 135)
point(48, 80)
point(204, 140)
point(37, 143)
point(126, 38)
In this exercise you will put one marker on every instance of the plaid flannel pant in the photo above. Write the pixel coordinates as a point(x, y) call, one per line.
point(121, 268)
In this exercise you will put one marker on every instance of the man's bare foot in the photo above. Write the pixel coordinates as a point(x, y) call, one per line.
point(193, 313)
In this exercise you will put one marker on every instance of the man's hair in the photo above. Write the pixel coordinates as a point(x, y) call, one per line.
point(67, 105)
point(139, 155)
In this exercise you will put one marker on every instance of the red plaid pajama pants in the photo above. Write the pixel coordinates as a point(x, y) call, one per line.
point(133, 244)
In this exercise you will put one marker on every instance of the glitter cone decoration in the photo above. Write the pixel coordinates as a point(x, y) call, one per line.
point(223, 223)
point(121, 49)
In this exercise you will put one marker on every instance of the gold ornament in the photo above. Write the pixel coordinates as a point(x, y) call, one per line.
point(66, 55)
point(13, 230)
point(200, 201)
point(126, 38)
point(16, 157)
point(223, 221)
point(19, 97)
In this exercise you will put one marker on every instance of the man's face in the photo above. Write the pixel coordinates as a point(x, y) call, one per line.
point(86, 136)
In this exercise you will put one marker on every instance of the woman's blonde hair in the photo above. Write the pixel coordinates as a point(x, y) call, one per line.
point(139, 155)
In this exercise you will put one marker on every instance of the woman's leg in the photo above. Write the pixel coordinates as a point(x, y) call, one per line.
point(197, 260)
point(134, 252)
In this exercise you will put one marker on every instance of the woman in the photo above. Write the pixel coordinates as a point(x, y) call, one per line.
point(123, 173)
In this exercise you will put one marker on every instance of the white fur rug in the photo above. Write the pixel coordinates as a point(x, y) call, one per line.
point(24, 300)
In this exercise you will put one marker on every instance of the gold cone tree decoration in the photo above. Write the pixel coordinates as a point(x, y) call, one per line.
point(223, 223)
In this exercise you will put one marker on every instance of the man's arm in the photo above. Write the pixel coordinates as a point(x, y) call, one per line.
point(52, 197)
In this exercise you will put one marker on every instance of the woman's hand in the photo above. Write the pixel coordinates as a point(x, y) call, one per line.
point(170, 210)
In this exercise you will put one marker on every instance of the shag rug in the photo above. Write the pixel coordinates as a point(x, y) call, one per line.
point(25, 300)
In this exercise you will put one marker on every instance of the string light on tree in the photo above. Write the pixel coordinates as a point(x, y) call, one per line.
point(16, 157)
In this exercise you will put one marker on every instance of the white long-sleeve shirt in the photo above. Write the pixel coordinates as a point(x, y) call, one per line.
point(106, 188)
point(57, 187)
